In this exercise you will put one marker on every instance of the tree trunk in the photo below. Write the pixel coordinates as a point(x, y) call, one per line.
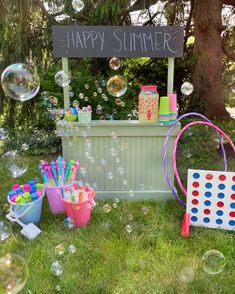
point(207, 50)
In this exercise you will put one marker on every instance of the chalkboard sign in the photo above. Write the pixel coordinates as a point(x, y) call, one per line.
point(119, 41)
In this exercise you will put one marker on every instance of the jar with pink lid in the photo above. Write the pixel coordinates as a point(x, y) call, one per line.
point(148, 104)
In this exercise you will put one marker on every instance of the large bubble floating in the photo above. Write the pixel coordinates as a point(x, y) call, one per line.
point(20, 82)
point(62, 78)
point(187, 88)
point(13, 273)
point(213, 262)
point(117, 86)
point(16, 164)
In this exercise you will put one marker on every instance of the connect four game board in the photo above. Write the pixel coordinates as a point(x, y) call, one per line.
point(211, 199)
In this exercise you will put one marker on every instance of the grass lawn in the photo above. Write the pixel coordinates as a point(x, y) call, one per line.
point(153, 258)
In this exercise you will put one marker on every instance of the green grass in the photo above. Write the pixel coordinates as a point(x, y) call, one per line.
point(151, 259)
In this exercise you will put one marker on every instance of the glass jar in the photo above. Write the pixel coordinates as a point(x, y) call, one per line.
point(148, 104)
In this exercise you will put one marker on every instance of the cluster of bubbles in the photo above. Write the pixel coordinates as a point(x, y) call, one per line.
point(116, 85)
point(13, 273)
point(20, 82)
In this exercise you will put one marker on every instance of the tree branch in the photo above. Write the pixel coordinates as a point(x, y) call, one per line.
point(138, 5)
point(224, 47)
point(150, 20)
point(229, 2)
point(188, 24)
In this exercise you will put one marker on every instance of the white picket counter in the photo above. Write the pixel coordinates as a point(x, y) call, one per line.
point(139, 149)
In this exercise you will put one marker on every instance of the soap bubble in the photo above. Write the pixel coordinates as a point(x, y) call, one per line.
point(81, 96)
point(96, 83)
point(213, 262)
point(103, 161)
point(107, 208)
point(86, 86)
point(82, 172)
point(59, 250)
point(86, 98)
point(117, 160)
point(20, 82)
point(95, 94)
point(113, 152)
point(57, 268)
point(122, 104)
point(71, 94)
point(110, 175)
point(57, 288)
point(186, 275)
point(117, 200)
point(78, 5)
point(145, 210)
point(14, 163)
point(25, 147)
point(128, 229)
point(114, 111)
point(123, 146)
point(130, 217)
point(117, 86)
point(62, 78)
point(6, 207)
point(68, 222)
point(114, 205)
point(5, 230)
point(118, 101)
point(131, 193)
point(99, 90)
point(53, 100)
point(114, 63)
point(13, 273)
point(54, 8)
point(186, 88)
point(99, 109)
point(103, 83)
point(3, 134)
point(125, 182)
point(120, 170)
point(142, 187)
point(75, 103)
point(72, 249)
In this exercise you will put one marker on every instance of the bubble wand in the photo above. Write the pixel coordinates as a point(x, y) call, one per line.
point(54, 172)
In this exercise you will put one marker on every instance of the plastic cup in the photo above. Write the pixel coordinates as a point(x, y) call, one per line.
point(164, 107)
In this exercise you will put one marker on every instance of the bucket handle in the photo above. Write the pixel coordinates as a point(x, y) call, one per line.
point(13, 213)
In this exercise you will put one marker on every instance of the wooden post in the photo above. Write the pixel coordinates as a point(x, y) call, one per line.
point(170, 76)
point(65, 68)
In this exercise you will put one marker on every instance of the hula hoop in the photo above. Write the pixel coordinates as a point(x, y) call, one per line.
point(172, 187)
point(174, 157)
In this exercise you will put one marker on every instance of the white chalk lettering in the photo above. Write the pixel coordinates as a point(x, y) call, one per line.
point(120, 42)
point(94, 36)
point(167, 38)
point(78, 41)
point(157, 44)
point(101, 35)
point(126, 42)
point(86, 36)
point(70, 39)
point(147, 38)
point(139, 37)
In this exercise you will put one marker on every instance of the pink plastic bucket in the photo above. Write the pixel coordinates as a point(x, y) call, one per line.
point(54, 196)
point(80, 212)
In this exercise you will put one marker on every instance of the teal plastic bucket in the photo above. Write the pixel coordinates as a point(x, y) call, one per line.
point(28, 212)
